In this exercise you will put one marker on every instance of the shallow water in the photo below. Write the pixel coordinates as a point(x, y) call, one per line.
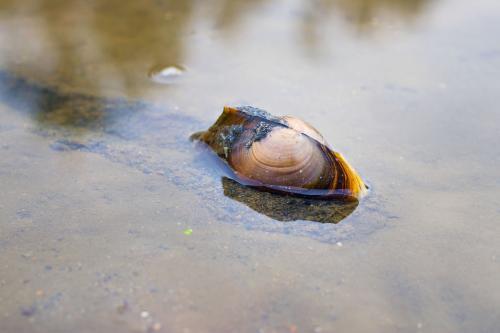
point(112, 220)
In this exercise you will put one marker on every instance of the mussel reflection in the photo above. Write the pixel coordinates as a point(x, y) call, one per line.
point(287, 208)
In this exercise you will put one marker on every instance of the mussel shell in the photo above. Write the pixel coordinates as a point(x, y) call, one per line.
point(284, 158)
point(303, 127)
point(280, 154)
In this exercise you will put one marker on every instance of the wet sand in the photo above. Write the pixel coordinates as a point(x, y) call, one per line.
point(112, 220)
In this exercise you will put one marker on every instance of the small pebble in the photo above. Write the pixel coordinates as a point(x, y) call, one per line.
point(28, 312)
point(122, 307)
point(156, 327)
point(27, 255)
point(144, 314)
point(23, 214)
point(166, 75)
point(339, 244)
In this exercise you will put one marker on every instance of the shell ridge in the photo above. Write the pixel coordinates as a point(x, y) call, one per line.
point(293, 169)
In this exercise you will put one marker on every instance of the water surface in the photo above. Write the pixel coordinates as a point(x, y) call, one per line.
point(112, 220)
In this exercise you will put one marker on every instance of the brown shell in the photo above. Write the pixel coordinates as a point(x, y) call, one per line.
point(280, 154)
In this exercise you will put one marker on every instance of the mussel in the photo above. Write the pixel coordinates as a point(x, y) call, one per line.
point(280, 154)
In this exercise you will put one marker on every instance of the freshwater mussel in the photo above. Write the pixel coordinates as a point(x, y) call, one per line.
point(280, 154)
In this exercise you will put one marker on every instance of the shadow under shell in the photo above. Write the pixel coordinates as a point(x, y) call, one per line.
point(288, 208)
